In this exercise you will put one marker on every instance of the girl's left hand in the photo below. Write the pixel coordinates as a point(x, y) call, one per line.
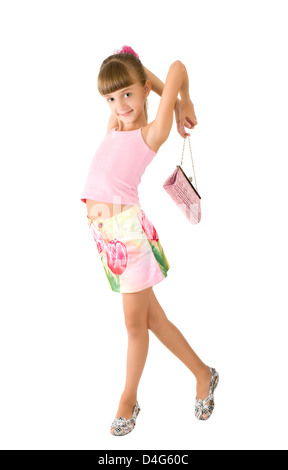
point(189, 120)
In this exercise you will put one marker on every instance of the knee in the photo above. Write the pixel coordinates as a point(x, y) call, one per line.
point(135, 322)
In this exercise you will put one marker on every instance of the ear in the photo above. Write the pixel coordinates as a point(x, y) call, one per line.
point(147, 88)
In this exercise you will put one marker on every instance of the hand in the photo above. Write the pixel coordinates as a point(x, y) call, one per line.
point(185, 116)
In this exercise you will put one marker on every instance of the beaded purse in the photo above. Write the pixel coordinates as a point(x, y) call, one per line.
point(183, 193)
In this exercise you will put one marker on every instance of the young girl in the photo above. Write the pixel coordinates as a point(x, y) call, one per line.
point(126, 239)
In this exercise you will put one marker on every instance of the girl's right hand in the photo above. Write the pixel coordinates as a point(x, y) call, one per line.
point(185, 116)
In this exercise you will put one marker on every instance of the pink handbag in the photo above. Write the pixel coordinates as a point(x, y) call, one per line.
point(183, 193)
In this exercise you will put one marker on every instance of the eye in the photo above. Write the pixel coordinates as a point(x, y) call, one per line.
point(110, 99)
point(127, 94)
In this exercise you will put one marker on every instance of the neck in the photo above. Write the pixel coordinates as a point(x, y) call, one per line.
point(130, 126)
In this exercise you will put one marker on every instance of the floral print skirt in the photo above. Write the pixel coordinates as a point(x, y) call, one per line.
point(130, 250)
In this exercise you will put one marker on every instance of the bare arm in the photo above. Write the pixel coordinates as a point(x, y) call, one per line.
point(158, 86)
point(176, 82)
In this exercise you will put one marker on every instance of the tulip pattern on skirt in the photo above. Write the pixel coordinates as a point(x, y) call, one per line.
point(130, 250)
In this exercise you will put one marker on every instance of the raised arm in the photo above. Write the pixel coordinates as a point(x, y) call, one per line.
point(158, 86)
point(176, 82)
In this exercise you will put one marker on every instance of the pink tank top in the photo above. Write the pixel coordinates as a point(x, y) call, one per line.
point(117, 167)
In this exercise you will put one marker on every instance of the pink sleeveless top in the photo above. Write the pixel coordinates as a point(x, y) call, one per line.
point(117, 167)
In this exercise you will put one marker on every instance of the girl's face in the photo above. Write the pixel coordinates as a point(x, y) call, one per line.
point(127, 104)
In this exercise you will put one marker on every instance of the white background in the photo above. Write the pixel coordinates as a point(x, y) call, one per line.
point(63, 339)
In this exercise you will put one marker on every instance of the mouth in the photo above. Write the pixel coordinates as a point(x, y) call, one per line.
point(126, 114)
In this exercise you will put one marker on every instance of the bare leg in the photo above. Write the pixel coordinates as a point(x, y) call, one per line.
point(135, 307)
point(173, 339)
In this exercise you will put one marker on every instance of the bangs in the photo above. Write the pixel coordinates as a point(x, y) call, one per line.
point(113, 77)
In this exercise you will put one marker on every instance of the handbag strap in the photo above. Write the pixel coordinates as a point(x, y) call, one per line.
point(190, 177)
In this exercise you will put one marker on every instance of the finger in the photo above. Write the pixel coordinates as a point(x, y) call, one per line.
point(182, 133)
point(191, 122)
point(179, 130)
point(191, 118)
point(187, 124)
point(191, 126)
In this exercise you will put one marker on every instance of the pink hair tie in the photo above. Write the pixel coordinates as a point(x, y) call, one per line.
point(126, 49)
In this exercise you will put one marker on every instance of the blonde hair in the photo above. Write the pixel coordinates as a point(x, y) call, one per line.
point(121, 71)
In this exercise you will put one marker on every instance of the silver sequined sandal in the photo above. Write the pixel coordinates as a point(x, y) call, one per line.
point(122, 426)
point(207, 406)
